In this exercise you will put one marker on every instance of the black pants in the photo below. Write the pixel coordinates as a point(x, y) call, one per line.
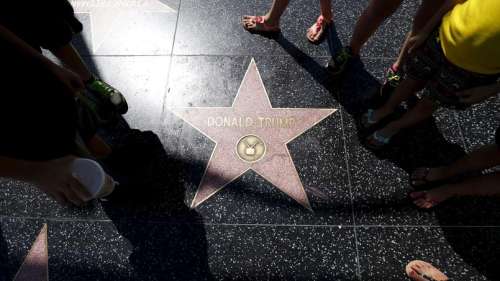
point(37, 117)
point(42, 24)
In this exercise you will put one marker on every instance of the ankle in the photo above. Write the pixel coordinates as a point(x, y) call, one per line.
point(270, 21)
point(395, 67)
point(447, 191)
point(444, 172)
point(355, 49)
point(381, 113)
point(390, 130)
point(328, 17)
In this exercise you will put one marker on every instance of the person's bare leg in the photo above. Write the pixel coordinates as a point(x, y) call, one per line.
point(71, 59)
point(326, 9)
point(425, 11)
point(403, 91)
point(271, 18)
point(482, 158)
point(370, 20)
point(484, 185)
point(422, 110)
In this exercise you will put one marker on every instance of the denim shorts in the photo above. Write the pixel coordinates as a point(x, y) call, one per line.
point(444, 78)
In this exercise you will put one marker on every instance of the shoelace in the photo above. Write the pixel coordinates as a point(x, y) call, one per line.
point(108, 89)
point(394, 80)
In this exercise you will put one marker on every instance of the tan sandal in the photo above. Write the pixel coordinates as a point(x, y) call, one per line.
point(260, 26)
point(422, 271)
point(318, 29)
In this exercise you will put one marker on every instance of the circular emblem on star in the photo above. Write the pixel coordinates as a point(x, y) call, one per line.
point(251, 148)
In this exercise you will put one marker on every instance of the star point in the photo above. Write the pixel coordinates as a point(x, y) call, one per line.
point(35, 265)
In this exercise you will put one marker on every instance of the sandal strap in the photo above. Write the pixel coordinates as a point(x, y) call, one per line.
point(319, 23)
point(430, 278)
point(381, 139)
point(370, 117)
point(260, 20)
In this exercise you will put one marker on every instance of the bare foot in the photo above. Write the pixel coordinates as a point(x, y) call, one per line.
point(423, 176)
point(316, 32)
point(423, 271)
point(259, 24)
point(430, 198)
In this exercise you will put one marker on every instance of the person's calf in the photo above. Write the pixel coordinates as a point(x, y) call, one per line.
point(403, 91)
point(70, 58)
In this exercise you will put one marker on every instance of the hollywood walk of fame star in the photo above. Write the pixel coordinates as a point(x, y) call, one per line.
point(35, 265)
point(106, 14)
point(251, 135)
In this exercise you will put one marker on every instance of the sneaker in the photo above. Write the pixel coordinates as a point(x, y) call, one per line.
point(102, 115)
point(107, 94)
point(337, 64)
point(392, 80)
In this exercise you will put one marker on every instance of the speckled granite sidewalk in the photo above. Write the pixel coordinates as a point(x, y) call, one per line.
point(191, 53)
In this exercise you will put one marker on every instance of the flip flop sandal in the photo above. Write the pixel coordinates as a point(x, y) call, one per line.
point(320, 27)
point(262, 28)
point(427, 184)
point(421, 196)
point(368, 119)
point(424, 276)
point(377, 141)
point(428, 278)
point(422, 181)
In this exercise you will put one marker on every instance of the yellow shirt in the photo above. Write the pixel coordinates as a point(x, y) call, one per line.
point(470, 36)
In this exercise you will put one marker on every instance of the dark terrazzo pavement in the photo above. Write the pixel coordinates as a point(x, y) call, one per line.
point(363, 226)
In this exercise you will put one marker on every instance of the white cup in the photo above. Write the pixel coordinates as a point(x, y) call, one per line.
point(92, 176)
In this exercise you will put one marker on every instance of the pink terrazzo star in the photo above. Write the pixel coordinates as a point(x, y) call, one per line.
point(35, 265)
point(251, 135)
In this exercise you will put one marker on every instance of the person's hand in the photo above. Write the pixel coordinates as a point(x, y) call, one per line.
point(55, 178)
point(71, 82)
point(415, 41)
point(475, 95)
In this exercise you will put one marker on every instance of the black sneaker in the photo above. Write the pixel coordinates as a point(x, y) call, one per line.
point(337, 64)
point(392, 80)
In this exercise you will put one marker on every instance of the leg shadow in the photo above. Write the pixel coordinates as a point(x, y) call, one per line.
point(148, 209)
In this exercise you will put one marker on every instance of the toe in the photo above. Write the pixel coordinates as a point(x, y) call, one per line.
point(419, 203)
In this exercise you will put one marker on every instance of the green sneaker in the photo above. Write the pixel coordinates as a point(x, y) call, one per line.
point(392, 80)
point(107, 94)
point(337, 64)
